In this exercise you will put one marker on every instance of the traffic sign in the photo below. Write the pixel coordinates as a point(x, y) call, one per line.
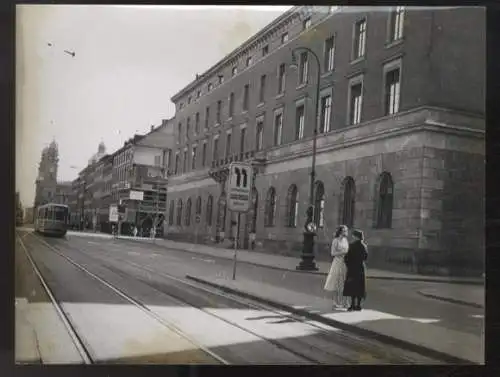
point(113, 214)
point(240, 187)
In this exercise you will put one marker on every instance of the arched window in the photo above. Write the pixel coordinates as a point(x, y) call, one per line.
point(255, 210)
point(210, 204)
point(384, 201)
point(171, 213)
point(187, 219)
point(292, 206)
point(221, 213)
point(179, 212)
point(319, 205)
point(349, 200)
point(271, 207)
point(198, 206)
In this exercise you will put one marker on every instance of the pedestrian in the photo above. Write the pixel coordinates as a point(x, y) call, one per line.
point(338, 269)
point(135, 230)
point(355, 284)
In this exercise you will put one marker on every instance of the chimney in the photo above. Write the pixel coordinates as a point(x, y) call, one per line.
point(197, 76)
point(152, 128)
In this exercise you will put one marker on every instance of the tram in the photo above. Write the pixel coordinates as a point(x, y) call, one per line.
point(52, 219)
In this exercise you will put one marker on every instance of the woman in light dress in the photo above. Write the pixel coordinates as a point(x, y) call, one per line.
point(338, 270)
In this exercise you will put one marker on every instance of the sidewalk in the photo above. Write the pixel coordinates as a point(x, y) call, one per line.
point(285, 263)
point(412, 334)
point(26, 342)
point(464, 295)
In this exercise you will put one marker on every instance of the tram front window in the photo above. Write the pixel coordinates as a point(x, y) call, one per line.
point(60, 214)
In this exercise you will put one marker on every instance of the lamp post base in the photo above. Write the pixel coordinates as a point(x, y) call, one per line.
point(307, 263)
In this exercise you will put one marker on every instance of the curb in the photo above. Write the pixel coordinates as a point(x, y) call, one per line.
point(452, 300)
point(422, 280)
point(429, 352)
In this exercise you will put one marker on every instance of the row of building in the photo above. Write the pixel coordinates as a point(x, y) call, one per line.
point(398, 98)
point(133, 178)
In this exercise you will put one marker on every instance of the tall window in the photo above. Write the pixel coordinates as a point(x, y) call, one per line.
point(271, 207)
point(193, 157)
point(278, 128)
point(189, 100)
point(359, 39)
point(284, 38)
point(179, 132)
point(231, 105)
point(169, 163)
point(188, 127)
point(177, 163)
point(219, 109)
point(184, 161)
point(265, 50)
point(215, 149)
point(262, 91)
point(179, 212)
point(221, 79)
point(246, 90)
point(385, 201)
point(306, 24)
point(171, 213)
point(242, 139)
point(319, 205)
point(392, 91)
point(228, 144)
point(326, 111)
point(198, 206)
point(249, 61)
point(204, 154)
point(198, 94)
point(197, 123)
point(292, 206)
point(207, 117)
point(187, 215)
point(396, 23)
point(349, 200)
point(281, 78)
point(329, 54)
point(209, 86)
point(210, 204)
point(299, 122)
point(234, 71)
point(303, 68)
point(355, 103)
point(259, 137)
point(255, 210)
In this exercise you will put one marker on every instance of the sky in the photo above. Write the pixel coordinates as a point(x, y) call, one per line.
point(129, 61)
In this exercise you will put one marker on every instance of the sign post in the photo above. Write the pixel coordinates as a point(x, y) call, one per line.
point(239, 195)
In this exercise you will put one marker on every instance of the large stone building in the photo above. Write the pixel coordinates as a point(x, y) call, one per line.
point(400, 146)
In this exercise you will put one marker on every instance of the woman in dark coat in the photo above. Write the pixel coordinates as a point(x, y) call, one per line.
point(355, 284)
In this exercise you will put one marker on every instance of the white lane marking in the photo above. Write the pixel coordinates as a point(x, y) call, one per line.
point(424, 320)
point(204, 260)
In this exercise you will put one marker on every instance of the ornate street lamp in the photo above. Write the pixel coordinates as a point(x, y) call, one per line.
point(307, 263)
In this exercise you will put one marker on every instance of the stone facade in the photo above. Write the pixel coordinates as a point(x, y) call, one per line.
point(432, 148)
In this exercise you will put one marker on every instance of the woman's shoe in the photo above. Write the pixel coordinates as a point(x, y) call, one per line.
point(350, 309)
point(357, 308)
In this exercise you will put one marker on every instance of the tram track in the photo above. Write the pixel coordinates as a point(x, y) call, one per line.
point(78, 339)
point(377, 351)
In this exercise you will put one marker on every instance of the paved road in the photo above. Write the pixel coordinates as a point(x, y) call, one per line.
point(396, 297)
point(237, 331)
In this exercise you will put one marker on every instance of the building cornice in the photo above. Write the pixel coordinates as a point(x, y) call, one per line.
point(237, 53)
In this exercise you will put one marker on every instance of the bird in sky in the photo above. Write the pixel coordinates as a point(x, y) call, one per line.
point(72, 53)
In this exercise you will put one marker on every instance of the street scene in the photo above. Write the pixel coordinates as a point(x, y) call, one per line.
point(313, 192)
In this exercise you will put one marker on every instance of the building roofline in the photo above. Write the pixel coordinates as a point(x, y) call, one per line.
point(266, 29)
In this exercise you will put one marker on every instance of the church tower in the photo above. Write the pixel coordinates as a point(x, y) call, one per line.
point(47, 174)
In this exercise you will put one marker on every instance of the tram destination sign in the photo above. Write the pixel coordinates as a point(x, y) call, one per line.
point(239, 187)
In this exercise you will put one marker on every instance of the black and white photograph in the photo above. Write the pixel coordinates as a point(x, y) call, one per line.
point(250, 185)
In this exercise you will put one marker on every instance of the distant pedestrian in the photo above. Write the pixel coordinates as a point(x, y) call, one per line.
point(135, 230)
point(338, 269)
point(355, 284)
